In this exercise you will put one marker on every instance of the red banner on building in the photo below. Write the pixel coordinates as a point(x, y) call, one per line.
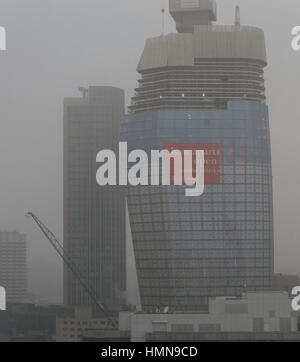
point(211, 160)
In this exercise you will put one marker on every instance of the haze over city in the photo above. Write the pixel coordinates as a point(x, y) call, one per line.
point(55, 47)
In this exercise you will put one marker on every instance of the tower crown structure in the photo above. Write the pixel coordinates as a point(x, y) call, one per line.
point(207, 63)
point(188, 13)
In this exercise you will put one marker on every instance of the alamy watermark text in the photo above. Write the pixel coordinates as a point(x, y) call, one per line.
point(2, 38)
point(2, 298)
point(296, 38)
point(167, 167)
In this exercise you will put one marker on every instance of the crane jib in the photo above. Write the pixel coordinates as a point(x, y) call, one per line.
point(72, 267)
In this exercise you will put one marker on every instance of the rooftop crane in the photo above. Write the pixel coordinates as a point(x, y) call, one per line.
point(70, 264)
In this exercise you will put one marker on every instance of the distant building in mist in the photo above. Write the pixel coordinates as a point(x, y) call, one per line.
point(204, 87)
point(13, 266)
point(94, 216)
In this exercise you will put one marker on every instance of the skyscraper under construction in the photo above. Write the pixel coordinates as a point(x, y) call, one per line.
point(203, 86)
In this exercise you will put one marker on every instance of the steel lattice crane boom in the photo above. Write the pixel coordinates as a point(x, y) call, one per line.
point(70, 264)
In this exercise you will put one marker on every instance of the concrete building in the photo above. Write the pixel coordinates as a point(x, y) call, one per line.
point(13, 266)
point(94, 216)
point(203, 87)
point(253, 316)
point(72, 328)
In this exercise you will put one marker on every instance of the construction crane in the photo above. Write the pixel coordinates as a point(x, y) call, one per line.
point(72, 267)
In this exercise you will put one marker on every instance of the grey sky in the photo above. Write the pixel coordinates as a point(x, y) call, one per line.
point(54, 46)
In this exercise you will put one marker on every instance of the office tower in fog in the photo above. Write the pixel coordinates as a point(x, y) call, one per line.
point(203, 88)
point(13, 266)
point(94, 216)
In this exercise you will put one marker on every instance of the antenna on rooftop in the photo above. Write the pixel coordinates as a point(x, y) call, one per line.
point(163, 11)
point(237, 16)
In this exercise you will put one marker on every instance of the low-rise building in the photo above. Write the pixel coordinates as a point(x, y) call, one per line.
point(27, 322)
point(71, 329)
point(253, 316)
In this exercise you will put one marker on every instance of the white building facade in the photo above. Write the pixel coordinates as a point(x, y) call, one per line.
point(256, 315)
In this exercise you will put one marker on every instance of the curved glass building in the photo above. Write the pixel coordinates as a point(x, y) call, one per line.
point(204, 85)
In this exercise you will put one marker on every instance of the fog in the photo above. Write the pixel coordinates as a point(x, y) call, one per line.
point(55, 46)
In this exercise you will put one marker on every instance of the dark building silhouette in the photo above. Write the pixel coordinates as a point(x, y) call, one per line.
point(94, 217)
point(27, 322)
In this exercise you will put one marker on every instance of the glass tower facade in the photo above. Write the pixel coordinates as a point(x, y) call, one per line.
point(94, 217)
point(188, 249)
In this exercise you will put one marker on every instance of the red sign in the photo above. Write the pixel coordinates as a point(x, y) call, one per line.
point(211, 160)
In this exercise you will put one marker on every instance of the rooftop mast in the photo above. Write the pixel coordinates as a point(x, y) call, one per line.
point(237, 16)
